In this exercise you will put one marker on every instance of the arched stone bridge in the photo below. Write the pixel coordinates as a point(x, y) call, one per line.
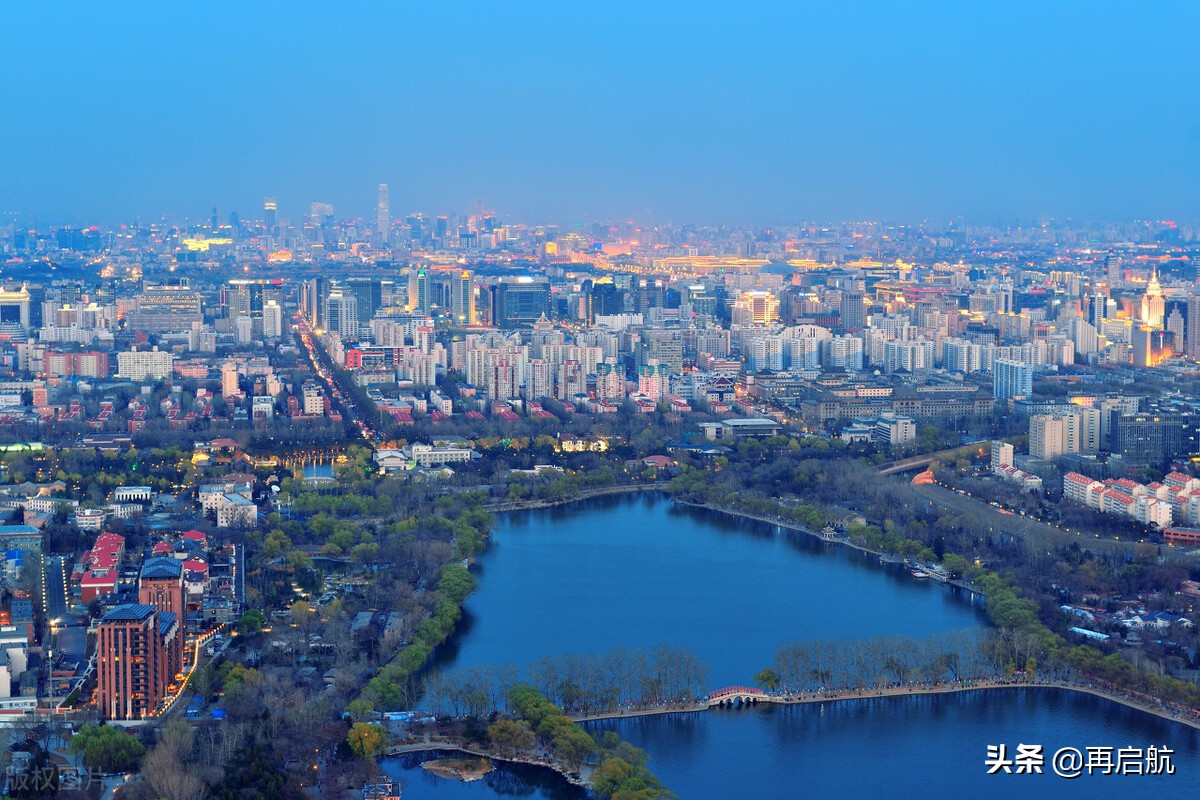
point(738, 696)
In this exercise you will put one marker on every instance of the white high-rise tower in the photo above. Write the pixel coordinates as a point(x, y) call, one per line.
point(383, 215)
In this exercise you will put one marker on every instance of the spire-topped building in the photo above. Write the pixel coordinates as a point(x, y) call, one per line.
point(1153, 305)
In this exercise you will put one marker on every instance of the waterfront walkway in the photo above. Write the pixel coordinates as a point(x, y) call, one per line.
point(1134, 700)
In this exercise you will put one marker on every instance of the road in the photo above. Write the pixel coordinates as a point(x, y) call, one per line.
point(339, 396)
point(55, 578)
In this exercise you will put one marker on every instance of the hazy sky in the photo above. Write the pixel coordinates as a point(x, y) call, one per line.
point(733, 112)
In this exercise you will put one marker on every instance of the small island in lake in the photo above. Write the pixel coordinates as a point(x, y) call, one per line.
point(461, 769)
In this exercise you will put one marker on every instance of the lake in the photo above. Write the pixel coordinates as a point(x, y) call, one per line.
point(636, 572)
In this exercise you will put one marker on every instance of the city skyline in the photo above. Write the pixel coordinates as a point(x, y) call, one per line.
point(768, 116)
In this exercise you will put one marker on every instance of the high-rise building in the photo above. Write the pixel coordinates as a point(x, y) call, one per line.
point(1143, 348)
point(312, 301)
point(519, 302)
point(1192, 328)
point(272, 320)
point(368, 294)
point(1011, 379)
point(161, 586)
point(341, 313)
point(135, 664)
point(271, 215)
point(383, 214)
point(1153, 305)
point(420, 292)
point(756, 307)
point(853, 310)
point(462, 298)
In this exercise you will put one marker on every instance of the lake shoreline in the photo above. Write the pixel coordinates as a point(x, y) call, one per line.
point(904, 691)
point(451, 746)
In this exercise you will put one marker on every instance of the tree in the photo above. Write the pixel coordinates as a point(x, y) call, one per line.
point(515, 735)
point(367, 739)
point(107, 748)
point(251, 622)
point(767, 678)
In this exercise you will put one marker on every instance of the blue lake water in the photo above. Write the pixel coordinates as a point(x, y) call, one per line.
point(318, 469)
point(636, 573)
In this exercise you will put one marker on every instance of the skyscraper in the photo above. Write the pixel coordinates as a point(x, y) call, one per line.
point(383, 214)
point(420, 298)
point(1192, 328)
point(271, 215)
point(462, 298)
point(853, 310)
point(137, 655)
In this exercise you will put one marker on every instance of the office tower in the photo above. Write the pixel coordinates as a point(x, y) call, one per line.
point(368, 294)
point(1112, 269)
point(136, 647)
point(271, 215)
point(1097, 310)
point(383, 214)
point(1176, 326)
point(1012, 379)
point(440, 228)
point(519, 302)
point(1192, 328)
point(312, 301)
point(1142, 346)
point(462, 298)
point(272, 320)
point(341, 313)
point(420, 295)
point(853, 310)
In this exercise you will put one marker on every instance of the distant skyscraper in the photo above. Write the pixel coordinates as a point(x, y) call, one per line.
point(1112, 269)
point(1192, 328)
point(271, 215)
point(383, 214)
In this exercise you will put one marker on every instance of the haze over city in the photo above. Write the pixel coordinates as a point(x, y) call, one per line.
point(708, 113)
point(599, 401)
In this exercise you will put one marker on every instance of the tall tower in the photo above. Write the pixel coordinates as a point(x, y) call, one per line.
point(1192, 328)
point(462, 297)
point(383, 215)
point(271, 215)
point(1153, 305)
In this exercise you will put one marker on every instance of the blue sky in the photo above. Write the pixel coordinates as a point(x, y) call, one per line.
point(762, 113)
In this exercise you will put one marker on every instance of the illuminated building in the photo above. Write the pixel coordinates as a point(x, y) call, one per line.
point(419, 295)
point(271, 215)
point(1152, 303)
point(519, 302)
point(756, 307)
point(133, 664)
point(462, 298)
